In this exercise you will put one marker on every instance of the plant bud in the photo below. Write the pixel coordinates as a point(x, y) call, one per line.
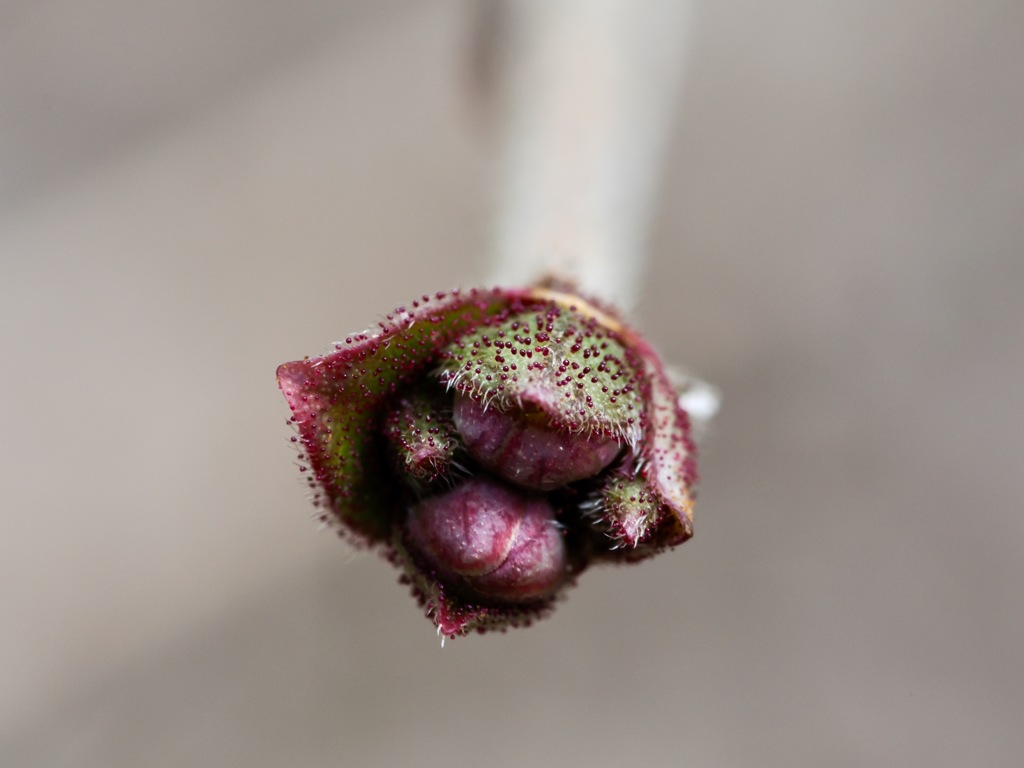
point(522, 446)
point(499, 543)
point(555, 360)
point(422, 436)
point(545, 388)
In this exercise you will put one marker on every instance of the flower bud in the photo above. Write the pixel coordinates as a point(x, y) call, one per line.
point(522, 445)
point(497, 542)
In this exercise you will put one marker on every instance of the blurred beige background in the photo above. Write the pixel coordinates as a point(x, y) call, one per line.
point(194, 192)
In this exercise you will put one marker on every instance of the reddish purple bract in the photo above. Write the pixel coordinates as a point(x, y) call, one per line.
point(494, 444)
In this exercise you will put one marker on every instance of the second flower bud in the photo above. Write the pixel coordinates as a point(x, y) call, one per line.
point(496, 542)
point(523, 447)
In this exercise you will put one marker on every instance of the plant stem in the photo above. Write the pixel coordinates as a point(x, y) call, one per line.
point(590, 96)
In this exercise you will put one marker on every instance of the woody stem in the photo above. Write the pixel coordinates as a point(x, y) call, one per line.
point(590, 93)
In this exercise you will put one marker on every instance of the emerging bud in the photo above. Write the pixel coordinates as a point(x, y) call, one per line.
point(629, 512)
point(523, 446)
point(544, 389)
point(556, 360)
point(422, 435)
point(497, 542)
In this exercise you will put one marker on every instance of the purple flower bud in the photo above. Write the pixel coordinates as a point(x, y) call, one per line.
point(498, 542)
point(522, 445)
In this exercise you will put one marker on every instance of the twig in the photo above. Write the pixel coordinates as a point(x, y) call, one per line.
point(591, 91)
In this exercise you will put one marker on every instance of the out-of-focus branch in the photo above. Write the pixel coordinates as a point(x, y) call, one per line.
point(589, 97)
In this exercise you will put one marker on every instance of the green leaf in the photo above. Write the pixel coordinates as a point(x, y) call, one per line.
point(569, 365)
